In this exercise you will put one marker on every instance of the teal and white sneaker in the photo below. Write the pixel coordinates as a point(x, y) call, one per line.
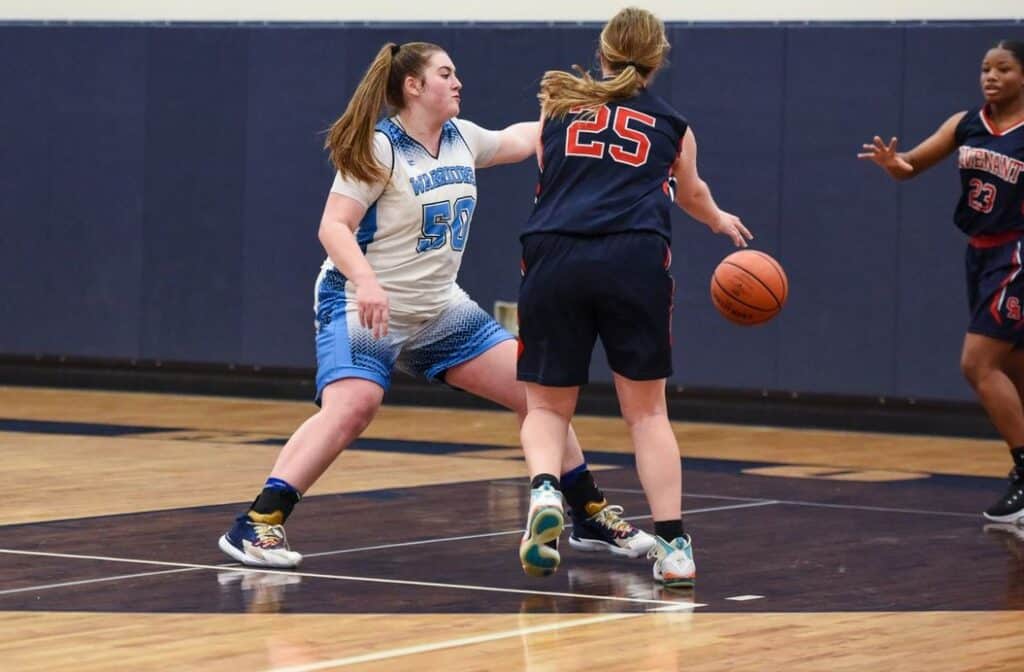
point(673, 562)
point(538, 551)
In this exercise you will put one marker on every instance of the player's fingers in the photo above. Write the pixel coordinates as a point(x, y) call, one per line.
point(377, 322)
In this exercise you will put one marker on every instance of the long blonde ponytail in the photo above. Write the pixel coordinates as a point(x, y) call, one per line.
point(633, 46)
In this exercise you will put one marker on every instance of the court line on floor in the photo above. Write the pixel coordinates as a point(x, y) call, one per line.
point(795, 502)
point(466, 537)
point(712, 509)
point(346, 577)
point(452, 643)
point(83, 582)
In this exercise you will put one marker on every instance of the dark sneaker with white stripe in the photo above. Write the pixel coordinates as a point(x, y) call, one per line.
point(1010, 509)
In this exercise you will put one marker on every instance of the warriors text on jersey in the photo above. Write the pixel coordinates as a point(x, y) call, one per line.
point(417, 222)
point(991, 165)
point(609, 172)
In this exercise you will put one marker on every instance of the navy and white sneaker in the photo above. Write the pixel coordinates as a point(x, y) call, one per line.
point(607, 531)
point(259, 543)
point(1010, 509)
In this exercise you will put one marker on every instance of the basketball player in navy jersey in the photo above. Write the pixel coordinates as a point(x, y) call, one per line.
point(614, 157)
point(394, 227)
point(989, 141)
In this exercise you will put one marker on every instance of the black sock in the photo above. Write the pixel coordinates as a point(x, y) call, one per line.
point(1018, 458)
point(275, 503)
point(669, 529)
point(541, 479)
point(581, 492)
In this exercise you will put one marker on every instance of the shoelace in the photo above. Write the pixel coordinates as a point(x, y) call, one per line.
point(657, 552)
point(270, 536)
point(609, 517)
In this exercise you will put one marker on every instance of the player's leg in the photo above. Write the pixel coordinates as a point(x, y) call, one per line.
point(660, 471)
point(353, 370)
point(990, 366)
point(636, 331)
point(543, 435)
point(982, 362)
point(258, 538)
point(556, 340)
point(597, 525)
point(1013, 365)
point(491, 375)
point(995, 289)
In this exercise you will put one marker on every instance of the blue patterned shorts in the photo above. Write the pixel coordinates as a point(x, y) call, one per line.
point(420, 346)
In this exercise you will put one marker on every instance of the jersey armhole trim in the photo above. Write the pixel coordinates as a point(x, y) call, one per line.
point(392, 146)
point(463, 138)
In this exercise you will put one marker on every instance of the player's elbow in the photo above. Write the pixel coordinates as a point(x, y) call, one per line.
point(328, 228)
point(689, 196)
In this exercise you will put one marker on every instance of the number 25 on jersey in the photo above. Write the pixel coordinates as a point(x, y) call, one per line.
point(444, 221)
point(633, 153)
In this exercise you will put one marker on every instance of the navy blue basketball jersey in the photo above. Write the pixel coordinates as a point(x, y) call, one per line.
point(990, 164)
point(609, 173)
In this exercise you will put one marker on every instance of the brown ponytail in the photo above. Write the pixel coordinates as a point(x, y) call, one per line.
point(350, 138)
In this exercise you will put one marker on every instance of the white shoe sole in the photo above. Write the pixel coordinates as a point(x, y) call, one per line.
point(241, 557)
point(1013, 518)
point(596, 545)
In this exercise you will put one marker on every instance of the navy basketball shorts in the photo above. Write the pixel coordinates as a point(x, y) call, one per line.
point(995, 287)
point(576, 289)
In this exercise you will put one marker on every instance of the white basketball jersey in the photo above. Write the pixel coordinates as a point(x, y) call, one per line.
point(417, 222)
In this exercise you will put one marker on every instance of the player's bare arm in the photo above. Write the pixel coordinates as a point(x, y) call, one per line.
point(337, 234)
point(905, 165)
point(694, 196)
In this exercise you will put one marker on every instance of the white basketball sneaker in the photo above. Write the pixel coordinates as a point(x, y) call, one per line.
point(673, 562)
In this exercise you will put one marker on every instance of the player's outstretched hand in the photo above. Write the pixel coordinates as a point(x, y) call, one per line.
point(885, 155)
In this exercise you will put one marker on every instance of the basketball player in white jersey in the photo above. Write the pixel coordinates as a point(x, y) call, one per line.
point(394, 227)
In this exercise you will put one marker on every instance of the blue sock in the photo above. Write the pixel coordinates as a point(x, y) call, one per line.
point(281, 484)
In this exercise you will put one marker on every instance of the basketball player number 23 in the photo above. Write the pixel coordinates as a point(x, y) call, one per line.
point(982, 196)
point(444, 221)
point(639, 144)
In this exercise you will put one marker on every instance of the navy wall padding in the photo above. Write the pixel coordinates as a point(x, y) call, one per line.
point(196, 100)
point(161, 189)
point(739, 143)
point(71, 207)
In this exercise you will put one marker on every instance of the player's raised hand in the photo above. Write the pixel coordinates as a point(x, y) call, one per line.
point(885, 155)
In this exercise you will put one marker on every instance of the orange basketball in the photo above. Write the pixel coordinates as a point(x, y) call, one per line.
point(749, 287)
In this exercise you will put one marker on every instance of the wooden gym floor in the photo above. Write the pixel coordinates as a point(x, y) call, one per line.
point(816, 550)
